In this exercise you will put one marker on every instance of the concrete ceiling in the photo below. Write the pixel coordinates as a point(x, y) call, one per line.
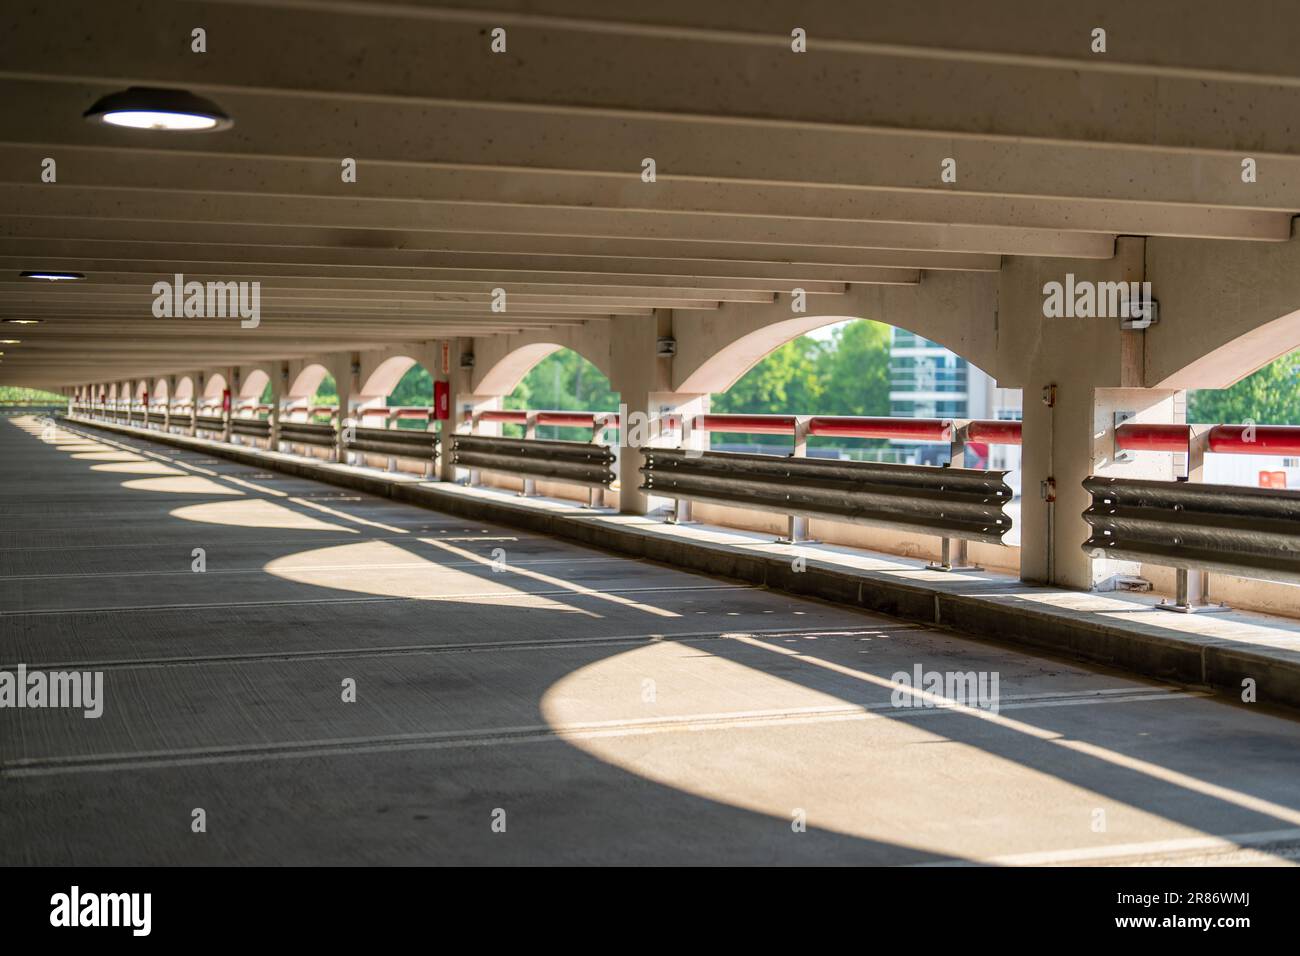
point(522, 170)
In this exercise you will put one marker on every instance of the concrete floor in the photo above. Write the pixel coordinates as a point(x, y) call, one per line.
point(615, 710)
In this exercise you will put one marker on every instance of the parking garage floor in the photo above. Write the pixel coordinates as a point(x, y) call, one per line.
point(320, 676)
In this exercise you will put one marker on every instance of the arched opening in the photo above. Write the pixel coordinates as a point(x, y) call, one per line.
point(862, 368)
point(413, 390)
point(214, 387)
point(184, 389)
point(256, 386)
point(859, 367)
point(1268, 396)
point(161, 393)
point(389, 374)
point(308, 381)
point(508, 373)
point(561, 380)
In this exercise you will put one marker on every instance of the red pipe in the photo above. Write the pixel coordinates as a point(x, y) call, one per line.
point(570, 419)
point(1147, 437)
point(994, 432)
point(1255, 439)
point(746, 424)
point(518, 418)
point(909, 429)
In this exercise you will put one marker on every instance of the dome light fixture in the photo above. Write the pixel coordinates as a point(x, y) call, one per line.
point(148, 107)
point(53, 276)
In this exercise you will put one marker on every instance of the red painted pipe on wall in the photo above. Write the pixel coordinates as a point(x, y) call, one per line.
point(1255, 439)
point(903, 429)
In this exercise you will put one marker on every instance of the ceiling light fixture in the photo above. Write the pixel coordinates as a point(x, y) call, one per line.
point(147, 107)
point(54, 276)
point(24, 321)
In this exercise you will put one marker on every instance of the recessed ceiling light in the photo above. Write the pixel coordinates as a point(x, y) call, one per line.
point(24, 321)
point(147, 107)
point(10, 341)
point(54, 276)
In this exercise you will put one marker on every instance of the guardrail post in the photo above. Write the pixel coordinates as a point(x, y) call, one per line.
point(798, 524)
point(682, 506)
point(1191, 585)
point(955, 558)
point(596, 499)
point(530, 434)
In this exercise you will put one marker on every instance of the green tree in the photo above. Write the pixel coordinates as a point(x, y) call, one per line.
point(413, 388)
point(846, 373)
point(563, 381)
point(854, 367)
point(1270, 396)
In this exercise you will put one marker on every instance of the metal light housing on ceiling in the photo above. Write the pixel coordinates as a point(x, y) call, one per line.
point(147, 107)
point(52, 276)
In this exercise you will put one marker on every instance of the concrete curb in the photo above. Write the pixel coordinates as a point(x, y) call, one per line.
point(983, 610)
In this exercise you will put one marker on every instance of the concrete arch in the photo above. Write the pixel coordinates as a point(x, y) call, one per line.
point(214, 386)
point(503, 377)
point(184, 388)
point(955, 310)
point(723, 368)
point(1232, 361)
point(160, 392)
point(1225, 311)
point(253, 384)
point(141, 390)
point(501, 362)
point(306, 382)
point(381, 382)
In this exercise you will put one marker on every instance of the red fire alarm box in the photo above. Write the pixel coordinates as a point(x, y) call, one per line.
point(225, 400)
point(441, 401)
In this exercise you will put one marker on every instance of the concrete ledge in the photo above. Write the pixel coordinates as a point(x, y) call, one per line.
point(1123, 632)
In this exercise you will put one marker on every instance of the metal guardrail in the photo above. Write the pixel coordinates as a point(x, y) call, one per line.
point(1253, 532)
point(579, 463)
point(394, 442)
point(950, 502)
point(252, 427)
point(210, 423)
point(308, 433)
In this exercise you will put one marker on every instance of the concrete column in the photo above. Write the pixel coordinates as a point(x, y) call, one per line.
point(463, 402)
point(643, 380)
point(167, 409)
point(279, 383)
point(346, 369)
point(1076, 373)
